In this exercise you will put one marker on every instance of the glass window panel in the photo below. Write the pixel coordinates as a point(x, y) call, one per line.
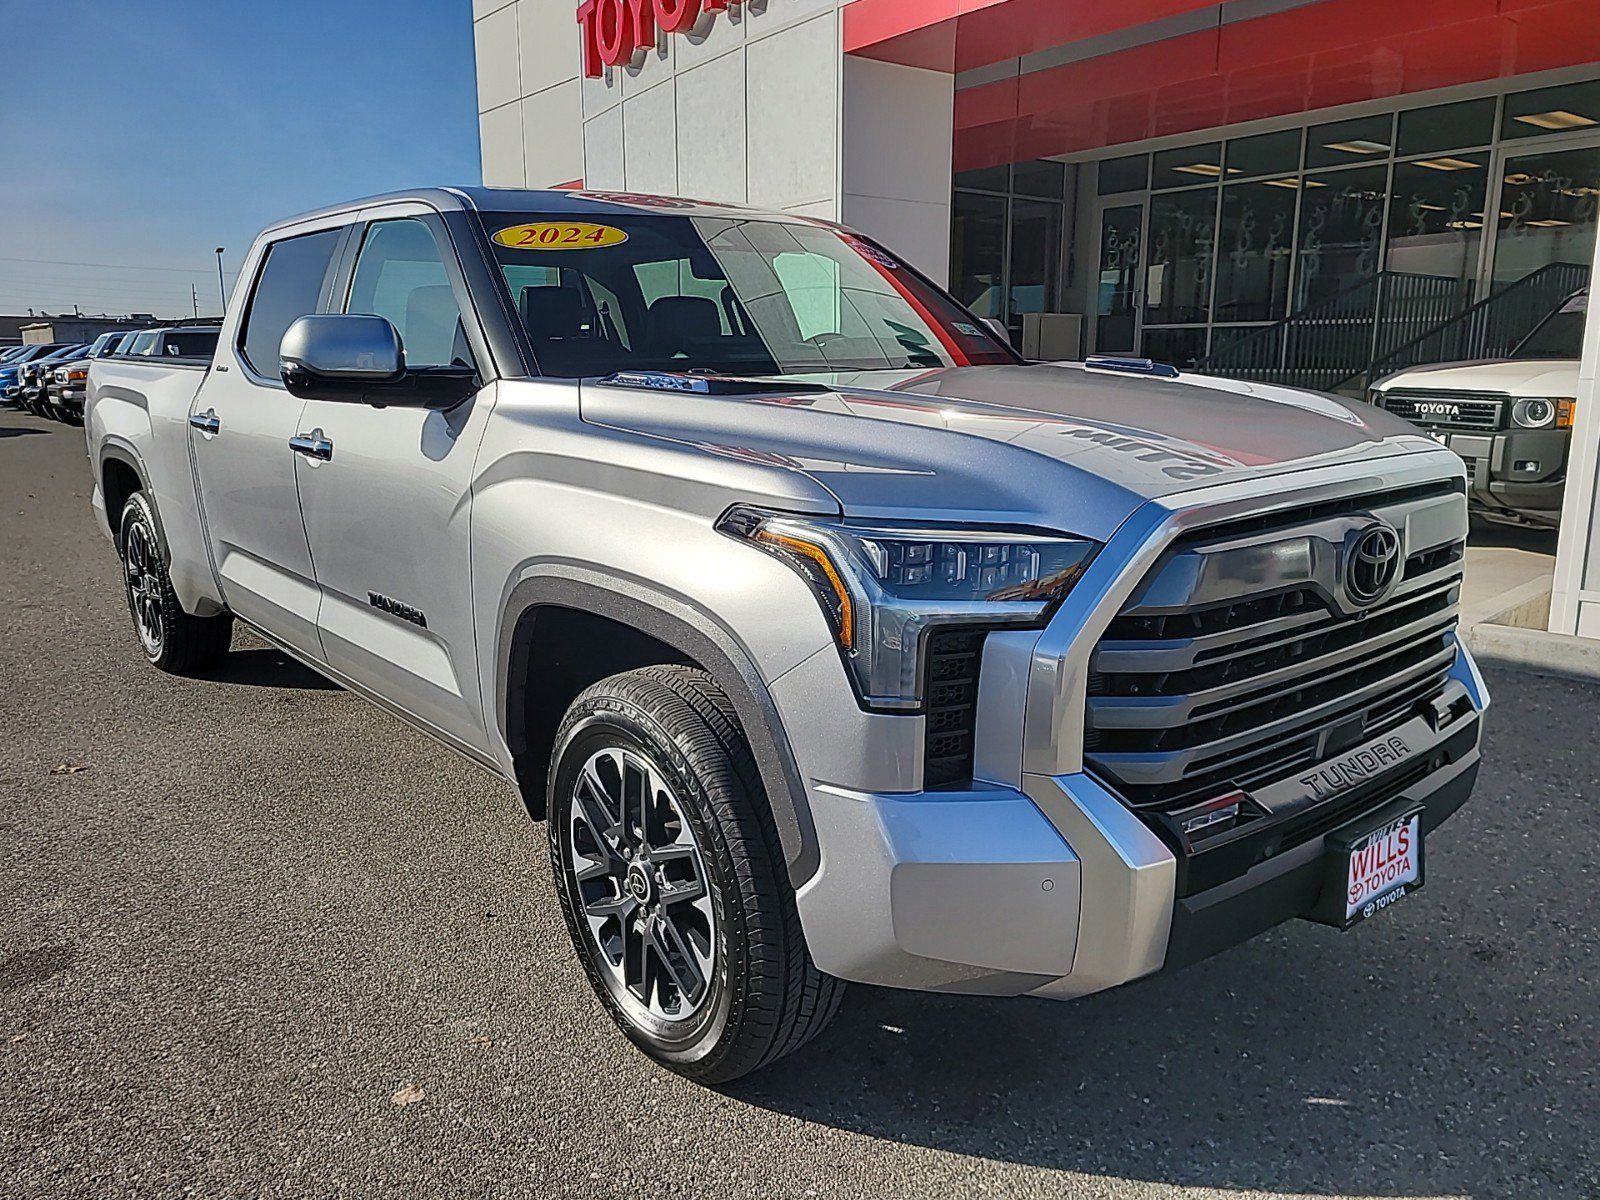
point(1341, 231)
point(1042, 178)
point(1035, 256)
point(1178, 267)
point(1553, 110)
point(985, 179)
point(1187, 165)
point(1447, 126)
point(1116, 302)
point(289, 287)
point(1183, 348)
point(1254, 245)
point(1547, 212)
point(1345, 142)
point(977, 252)
point(400, 275)
point(1264, 154)
point(1131, 174)
point(1436, 216)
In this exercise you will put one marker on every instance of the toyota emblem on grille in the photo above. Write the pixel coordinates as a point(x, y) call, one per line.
point(1372, 561)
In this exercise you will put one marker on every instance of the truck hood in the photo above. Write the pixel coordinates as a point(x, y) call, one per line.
point(1058, 445)
point(1504, 376)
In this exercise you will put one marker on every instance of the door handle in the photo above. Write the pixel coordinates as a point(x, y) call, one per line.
point(206, 422)
point(312, 445)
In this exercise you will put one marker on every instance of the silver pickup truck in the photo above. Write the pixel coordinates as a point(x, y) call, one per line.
point(832, 640)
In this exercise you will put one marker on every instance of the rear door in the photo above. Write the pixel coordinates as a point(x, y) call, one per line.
point(387, 512)
point(240, 428)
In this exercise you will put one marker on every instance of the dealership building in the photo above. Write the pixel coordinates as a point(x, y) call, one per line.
point(1316, 192)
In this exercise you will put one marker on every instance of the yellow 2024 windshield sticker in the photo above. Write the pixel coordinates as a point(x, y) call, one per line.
point(561, 235)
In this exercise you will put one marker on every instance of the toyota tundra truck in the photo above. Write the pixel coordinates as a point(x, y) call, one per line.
point(831, 640)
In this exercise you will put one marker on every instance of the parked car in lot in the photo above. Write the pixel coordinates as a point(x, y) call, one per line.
point(833, 641)
point(64, 384)
point(11, 370)
point(33, 375)
point(184, 341)
point(1510, 419)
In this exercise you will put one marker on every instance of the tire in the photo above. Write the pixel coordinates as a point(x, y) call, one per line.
point(706, 827)
point(171, 639)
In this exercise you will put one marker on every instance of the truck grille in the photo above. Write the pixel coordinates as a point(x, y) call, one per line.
point(1240, 660)
point(1448, 410)
point(954, 657)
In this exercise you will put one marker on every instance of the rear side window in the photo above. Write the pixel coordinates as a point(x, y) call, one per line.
point(289, 286)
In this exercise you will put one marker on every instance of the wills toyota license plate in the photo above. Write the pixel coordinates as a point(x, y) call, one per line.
point(1381, 866)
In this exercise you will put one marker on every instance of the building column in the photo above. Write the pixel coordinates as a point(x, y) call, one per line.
point(1575, 597)
point(897, 127)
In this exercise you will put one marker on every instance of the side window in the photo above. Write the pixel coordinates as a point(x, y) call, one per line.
point(289, 286)
point(145, 343)
point(400, 275)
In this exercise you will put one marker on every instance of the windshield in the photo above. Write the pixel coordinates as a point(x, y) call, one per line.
point(723, 295)
point(1560, 335)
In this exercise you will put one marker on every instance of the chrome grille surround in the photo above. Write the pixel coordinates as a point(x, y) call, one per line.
point(1240, 657)
point(1482, 412)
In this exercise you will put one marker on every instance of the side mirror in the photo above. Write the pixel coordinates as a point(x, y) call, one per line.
point(359, 359)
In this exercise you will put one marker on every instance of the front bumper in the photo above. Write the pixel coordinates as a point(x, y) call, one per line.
point(1515, 473)
point(1058, 890)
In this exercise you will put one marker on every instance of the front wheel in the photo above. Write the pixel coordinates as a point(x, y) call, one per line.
point(172, 639)
point(671, 878)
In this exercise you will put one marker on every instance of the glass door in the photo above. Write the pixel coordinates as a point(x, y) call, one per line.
point(1116, 321)
point(1548, 212)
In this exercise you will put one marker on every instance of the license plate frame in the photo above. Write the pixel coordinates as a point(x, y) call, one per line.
point(1340, 905)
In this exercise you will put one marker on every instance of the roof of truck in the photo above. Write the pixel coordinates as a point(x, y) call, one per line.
point(557, 200)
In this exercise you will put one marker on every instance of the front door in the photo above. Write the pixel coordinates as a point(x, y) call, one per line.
point(388, 510)
point(1116, 325)
point(240, 426)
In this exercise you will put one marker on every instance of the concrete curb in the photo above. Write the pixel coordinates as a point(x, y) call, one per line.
point(1535, 651)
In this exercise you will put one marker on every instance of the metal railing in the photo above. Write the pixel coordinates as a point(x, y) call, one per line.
point(1326, 344)
point(1491, 328)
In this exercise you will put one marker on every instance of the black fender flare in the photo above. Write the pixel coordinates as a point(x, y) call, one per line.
point(117, 450)
point(696, 635)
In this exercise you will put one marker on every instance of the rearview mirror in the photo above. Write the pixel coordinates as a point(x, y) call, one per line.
point(359, 359)
point(997, 327)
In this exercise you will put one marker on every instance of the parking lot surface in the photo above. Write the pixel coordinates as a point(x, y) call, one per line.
point(241, 916)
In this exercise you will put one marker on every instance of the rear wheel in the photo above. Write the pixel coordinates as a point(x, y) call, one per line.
point(671, 878)
point(171, 639)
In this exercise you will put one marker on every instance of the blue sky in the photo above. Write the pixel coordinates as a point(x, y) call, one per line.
point(145, 133)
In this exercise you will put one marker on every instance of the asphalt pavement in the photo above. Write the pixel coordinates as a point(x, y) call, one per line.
point(259, 939)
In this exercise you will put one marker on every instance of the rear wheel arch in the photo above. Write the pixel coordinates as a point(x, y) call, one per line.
point(560, 633)
point(121, 475)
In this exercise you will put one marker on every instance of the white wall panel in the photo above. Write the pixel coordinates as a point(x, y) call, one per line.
point(602, 151)
point(711, 147)
point(552, 135)
point(792, 102)
point(500, 133)
point(495, 42)
point(549, 47)
point(650, 140)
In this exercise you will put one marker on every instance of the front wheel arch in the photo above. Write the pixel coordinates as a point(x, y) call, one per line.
point(674, 633)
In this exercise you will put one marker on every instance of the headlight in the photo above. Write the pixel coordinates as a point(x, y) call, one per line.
point(883, 588)
point(1534, 413)
point(1539, 412)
